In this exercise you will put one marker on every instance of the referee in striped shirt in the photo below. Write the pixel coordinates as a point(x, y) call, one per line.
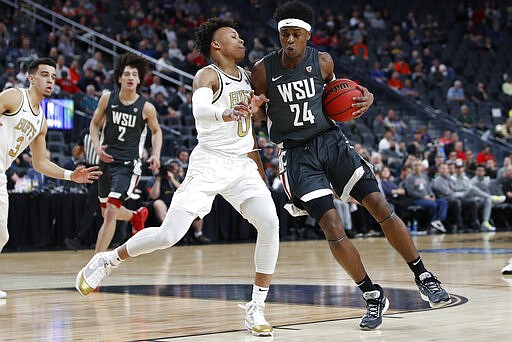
point(86, 231)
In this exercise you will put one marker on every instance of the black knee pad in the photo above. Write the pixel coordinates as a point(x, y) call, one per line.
point(319, 206)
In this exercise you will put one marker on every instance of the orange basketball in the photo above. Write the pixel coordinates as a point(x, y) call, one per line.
point(337, 99)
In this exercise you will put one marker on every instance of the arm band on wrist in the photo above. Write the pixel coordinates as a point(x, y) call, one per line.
point(67, 174)
point(202, 106)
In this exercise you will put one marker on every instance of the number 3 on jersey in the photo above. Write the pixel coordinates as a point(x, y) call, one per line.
point(302, 116)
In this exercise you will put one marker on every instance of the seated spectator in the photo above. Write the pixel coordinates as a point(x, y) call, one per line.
point(402, 67)
point(392, 120)
point(443, 186)
point(166, 183)
point(360, 48)
point(377, 73)
point(505, 183)
point(66, 85)
point(395, 82)
point(466, 119)
point(417, 146)
point(484, 155)
point(464, 189)
point(394, 192)
point(506, 87)
point(505, 131)
point(480, 94)
point(87, 79)
point(456, 93)
point(419, 188)
point(161, 105)
point(408, 89)
point(388, 145)
point(89, 101)
point(157, 87)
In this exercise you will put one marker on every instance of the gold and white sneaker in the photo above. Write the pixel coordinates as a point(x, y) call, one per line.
point(255, 320)
point(89, 277)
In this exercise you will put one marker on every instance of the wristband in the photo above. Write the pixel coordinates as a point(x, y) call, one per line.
point(67, 174)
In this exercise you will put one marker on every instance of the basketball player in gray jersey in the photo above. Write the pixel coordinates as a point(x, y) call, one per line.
point(316, 157)
point(122, 115)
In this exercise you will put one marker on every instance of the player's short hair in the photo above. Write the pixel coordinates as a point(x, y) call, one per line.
point(205, 32)
point(133, 60)
point(296, 10)
point(32, 68)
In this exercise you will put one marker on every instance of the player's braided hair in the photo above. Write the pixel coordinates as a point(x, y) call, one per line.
point(204, 35)
point(133, 60)
point(296, 10)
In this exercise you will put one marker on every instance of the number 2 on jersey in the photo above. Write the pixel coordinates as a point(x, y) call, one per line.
point(302, 116)
point(122, 131)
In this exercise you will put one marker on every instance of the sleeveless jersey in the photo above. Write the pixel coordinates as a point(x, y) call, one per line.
point(233, 137)
point(124, 130)
point(18, 130)
point(295, 108)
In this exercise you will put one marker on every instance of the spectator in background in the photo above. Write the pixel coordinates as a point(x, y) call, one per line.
point(66, 85)
point(157, 87)
point(10, 72)
point(505, 130)
point(419, 188)
point(505, 183)
point(484, 155)
point(466, 119)
point(176, 55)
point(392, 120)
point(92, 61)
point(267, 155)
point(394, 191)
point(61, 66)
point(74, 71)
point(395, 82)
point(443, 186)
point(89, 101)
point(88, 79)
point(464, 189)
point(456, 93)
point(377, 73)
point(401, 66)
point(506, 88)
point(178, 97)
point(408, 89)
point(161, 105)
point(480, 94)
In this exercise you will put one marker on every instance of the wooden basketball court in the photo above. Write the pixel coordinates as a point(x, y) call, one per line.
point(190, 293)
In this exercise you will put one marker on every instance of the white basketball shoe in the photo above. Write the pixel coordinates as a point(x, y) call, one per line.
point(89, 277)
point(255, 320)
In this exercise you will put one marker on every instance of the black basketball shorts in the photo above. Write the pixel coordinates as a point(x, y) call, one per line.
point(324, 164)
point(119, 179)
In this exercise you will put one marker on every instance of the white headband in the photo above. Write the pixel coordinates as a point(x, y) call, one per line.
point(293, 22)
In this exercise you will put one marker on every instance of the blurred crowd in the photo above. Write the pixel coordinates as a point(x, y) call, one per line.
point(411, 54)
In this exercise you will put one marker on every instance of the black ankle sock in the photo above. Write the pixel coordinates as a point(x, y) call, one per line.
point(366, 285)
point(417, 267)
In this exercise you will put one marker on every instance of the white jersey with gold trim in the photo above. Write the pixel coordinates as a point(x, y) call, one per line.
point(18, 130)
point(233, 137)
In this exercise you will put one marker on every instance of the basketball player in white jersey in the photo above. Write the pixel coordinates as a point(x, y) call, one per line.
point(22, 124)
point(223, 162)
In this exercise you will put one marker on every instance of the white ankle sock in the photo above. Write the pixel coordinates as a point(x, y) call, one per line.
point(259, 294)
point(114, 258)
